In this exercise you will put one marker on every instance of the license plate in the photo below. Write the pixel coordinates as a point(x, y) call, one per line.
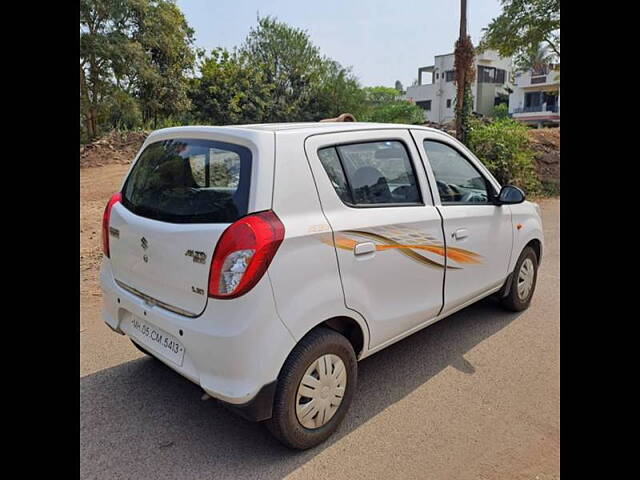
point(156, 340)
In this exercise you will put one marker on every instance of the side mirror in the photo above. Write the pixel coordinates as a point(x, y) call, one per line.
point(510, 195)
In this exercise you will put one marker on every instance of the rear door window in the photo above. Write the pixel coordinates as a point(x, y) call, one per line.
point(372, 173)
point(190, 181)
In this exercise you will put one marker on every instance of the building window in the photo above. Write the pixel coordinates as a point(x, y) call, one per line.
point(437, 75)
point(532, 99)
point(448, 103)
point(449, 74)
point(540, 101)
point(425, 105)
point(491, 75)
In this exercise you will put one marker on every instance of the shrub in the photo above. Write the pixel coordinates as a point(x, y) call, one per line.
point(500, 111)
point(503, 146)
point(123, 111)
point(385, 105)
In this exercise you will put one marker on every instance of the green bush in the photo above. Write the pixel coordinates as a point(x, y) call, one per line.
point(503, 146)
point(385, 105)
point(500, 111)
point(123, 111)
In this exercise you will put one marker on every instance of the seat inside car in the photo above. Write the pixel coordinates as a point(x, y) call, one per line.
point(370, 186)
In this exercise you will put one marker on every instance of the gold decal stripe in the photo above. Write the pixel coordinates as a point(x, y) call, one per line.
point(460, 255)
point(403, 249)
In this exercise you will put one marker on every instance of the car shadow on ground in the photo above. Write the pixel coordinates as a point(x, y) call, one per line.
point(142, 420)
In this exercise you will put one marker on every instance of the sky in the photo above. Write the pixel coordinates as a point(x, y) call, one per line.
point(383, 41)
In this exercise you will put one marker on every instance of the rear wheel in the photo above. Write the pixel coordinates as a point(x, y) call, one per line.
point(523, 283)
point(315, 389)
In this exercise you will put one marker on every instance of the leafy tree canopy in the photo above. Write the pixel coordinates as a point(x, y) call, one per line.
point(229, 92)
point(134, 59)
point(522, 28)
point(137, 60)
point(277, 75)
point(384, 104)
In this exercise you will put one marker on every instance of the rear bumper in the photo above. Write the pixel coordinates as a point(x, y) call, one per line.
point(234, 350)
point(259, 407)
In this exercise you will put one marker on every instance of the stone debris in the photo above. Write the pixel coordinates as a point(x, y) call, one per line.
point(113, 148)
point(545, 142)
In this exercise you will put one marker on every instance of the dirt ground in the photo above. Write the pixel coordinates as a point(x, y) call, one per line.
point(545, 142)
point(475, 396)
point(97, 184)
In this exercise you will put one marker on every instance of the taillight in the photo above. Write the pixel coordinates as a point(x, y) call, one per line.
point(243, 253)
point(115, 198)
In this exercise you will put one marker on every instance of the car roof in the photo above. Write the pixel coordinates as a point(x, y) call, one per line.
point(308, 128)
point(324, 127)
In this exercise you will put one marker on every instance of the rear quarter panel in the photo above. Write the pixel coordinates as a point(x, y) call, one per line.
point(304, 274)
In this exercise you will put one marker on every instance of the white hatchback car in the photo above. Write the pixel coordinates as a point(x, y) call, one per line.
point(263, 261)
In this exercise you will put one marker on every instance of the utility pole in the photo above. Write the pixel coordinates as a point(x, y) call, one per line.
point(464, 68)
point(463, 18)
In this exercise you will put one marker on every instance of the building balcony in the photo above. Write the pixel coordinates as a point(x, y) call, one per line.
point(417, 93)
point(526, 80)
point(537, 108)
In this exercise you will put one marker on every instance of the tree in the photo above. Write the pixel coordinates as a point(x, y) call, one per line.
point(276, 75)
point(134, 57)
point(229, 92)
point(464, 56)
point(303, 84)
point(522, 27)
point(338, 91)
point(538, 59)
point(166, 38)
point(289, 62)
point(100, 46)
point(383, 104)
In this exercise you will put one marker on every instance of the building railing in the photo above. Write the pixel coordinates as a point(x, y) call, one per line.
point(537, 108)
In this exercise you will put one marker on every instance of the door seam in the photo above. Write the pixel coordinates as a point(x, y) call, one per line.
point(446, 260)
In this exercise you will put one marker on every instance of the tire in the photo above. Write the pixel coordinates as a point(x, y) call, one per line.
point(514, 301)
point(284, 424)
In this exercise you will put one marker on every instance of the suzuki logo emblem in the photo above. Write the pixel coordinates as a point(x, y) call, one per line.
point(144, 243)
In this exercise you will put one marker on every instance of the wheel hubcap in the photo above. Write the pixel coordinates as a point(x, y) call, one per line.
point(525, 279)
point(320, 391)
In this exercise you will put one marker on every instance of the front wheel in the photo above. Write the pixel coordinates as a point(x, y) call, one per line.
point(315, 389)
point(523, 283)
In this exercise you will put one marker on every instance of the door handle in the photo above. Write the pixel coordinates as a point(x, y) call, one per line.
point(364, 248)
point(460, 234)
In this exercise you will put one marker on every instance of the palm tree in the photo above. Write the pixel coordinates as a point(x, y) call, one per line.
point(539, 60)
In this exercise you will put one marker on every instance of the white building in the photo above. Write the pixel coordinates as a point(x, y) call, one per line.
point(536, 97)
point(437, 98)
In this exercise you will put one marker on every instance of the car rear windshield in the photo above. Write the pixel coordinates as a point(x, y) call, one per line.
point(184, 180)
